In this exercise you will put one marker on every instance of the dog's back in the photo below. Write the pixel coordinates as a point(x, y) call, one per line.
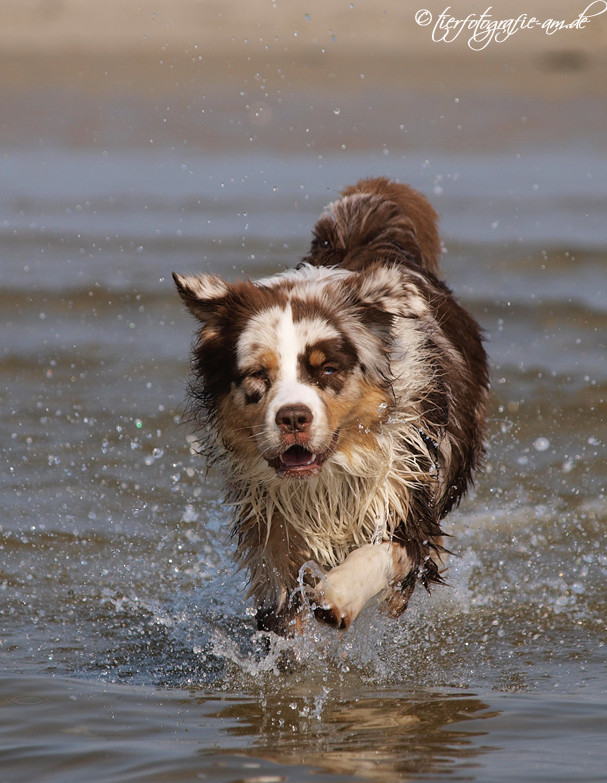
point(347, 398)
point(377, 219)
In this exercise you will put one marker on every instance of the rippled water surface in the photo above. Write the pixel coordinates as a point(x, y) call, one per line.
point(128, 651)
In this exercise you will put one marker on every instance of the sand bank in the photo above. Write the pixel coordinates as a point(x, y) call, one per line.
point(297, 43)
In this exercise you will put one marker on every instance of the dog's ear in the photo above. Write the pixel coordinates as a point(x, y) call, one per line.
point(376, 295)
point(201, 293)
point(379, 288)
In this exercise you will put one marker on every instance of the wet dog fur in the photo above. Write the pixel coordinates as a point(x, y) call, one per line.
point(345, 400)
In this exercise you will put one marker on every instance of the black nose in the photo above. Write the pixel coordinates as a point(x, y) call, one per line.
point(294, 418)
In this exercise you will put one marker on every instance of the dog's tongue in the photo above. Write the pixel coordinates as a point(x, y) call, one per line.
point(297, 457)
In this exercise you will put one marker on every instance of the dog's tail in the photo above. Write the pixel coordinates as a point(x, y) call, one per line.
point(377, 220)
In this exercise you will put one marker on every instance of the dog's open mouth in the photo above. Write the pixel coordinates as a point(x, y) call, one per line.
point(299, 462)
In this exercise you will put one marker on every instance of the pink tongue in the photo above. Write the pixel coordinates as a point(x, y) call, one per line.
point(297, 457)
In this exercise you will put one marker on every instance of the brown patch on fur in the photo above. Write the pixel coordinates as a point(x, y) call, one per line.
point(267, 360)
point(416, 207)
point(223, 319)
point(237, 429)
point(273, 558)
point(394, 222)
point(316, 358)
point(338, 352)
point(405, 578)
point(358, 419)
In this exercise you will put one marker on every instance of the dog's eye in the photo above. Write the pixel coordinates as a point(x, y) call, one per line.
point(259, 375)
point(329, 369)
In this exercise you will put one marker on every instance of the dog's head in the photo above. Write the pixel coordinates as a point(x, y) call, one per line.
point(295, 369)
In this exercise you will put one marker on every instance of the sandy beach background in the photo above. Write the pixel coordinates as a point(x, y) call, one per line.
point(291, 74)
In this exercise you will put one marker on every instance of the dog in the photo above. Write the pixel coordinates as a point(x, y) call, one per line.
point(345, 401)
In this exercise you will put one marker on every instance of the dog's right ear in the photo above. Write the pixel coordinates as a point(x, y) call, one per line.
point(201, 293)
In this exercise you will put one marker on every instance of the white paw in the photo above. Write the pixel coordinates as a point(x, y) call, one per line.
point(340, 595)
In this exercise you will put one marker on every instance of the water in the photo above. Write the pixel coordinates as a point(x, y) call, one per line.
point(128, 651)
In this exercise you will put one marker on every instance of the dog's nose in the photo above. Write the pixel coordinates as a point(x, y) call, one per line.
point(294, 418)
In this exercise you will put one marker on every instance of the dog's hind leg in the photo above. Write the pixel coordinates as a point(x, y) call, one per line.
point(344, 591)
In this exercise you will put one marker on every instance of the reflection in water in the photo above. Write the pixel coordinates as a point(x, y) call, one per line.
point(59, 729)
point(379, 737)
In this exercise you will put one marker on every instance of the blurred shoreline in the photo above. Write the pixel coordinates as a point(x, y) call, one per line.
point(289, 75)
point(114, 44)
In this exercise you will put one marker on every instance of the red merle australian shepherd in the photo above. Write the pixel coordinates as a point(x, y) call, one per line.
point(345, 400)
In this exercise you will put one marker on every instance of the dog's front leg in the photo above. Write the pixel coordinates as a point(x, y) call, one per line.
point(344, 591)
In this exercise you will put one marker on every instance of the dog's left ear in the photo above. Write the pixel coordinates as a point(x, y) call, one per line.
point(377, 296)
point(379, 288)
point(201, 293)
point(374, 298)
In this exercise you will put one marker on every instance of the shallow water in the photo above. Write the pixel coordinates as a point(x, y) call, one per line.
point(128, 651)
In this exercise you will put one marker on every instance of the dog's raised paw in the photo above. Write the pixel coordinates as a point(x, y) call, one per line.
point(324, 605)
point(331, 616)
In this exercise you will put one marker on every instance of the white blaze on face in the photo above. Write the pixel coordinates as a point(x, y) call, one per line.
point(292, 339)
point(273, 332)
